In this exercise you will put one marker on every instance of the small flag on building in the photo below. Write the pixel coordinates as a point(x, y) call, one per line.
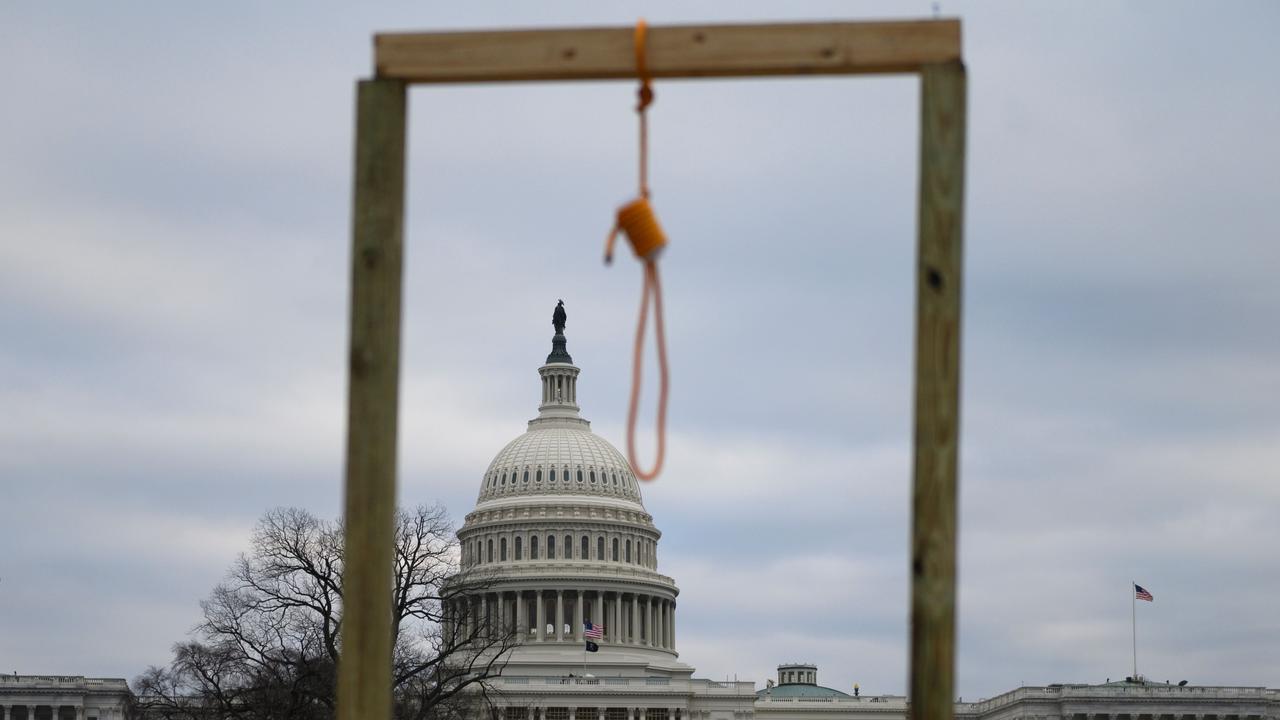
point(592, 632)
point(1141, 593)
point(592, 647)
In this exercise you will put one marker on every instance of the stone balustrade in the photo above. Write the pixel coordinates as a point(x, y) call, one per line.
point(1107, 692)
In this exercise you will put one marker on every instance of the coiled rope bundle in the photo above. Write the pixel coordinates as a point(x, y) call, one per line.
point(638, 222)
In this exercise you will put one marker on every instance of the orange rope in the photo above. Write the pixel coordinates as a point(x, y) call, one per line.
point(638, 222)
point(652, 288)
point(645, 100)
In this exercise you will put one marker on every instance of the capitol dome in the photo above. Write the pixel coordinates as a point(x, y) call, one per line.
point(559, 556)
point(553, 458)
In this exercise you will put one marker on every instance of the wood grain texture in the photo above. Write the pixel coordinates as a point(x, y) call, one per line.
point(836, 48)
point(364, 671)
point(937, 411)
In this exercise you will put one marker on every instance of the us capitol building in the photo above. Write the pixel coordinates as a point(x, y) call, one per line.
point(560, 538)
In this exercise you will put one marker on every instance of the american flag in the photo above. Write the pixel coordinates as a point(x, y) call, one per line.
point(593, 632)
point(1142, 594)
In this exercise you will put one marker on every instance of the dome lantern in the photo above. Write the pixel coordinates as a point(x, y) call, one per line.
point(559, 378)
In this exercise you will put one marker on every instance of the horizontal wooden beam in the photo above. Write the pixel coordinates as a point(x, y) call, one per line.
point(834, 48)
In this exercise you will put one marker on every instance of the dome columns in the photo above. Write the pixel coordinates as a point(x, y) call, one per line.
point(559, 391)
point(798, 674)
point(556, 616)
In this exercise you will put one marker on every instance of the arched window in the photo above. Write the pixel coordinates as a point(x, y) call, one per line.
point(519, 548)
point(615, 479)
point(502, 549)
point(533, 548)
point(490, 553)
point(628, 551)
point(615, 549)
point(551, 547)
point(553, 474)
point(600, 548)
point(579, 474)
point(539, 477)
point(526, 474)
point(568, 547)
point(503, 481)
point(593, 477)
point(586, 548)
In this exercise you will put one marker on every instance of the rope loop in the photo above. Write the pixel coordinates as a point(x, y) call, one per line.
point(652, 291)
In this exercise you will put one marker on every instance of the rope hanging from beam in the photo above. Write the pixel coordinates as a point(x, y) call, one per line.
point(639, 223)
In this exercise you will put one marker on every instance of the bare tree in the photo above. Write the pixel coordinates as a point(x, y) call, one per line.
point(270, 641)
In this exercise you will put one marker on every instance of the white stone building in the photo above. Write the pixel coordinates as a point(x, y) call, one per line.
point(561, 538)
point(62, 697)
point(1126, 700)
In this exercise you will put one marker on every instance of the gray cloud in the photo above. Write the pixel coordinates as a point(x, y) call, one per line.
point(173, 269)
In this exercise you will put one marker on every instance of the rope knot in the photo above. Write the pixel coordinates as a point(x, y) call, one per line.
point(639, 223)
point(646, 96)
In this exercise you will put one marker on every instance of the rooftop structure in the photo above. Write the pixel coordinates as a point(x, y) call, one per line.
point(561, 537)
point(63, 697)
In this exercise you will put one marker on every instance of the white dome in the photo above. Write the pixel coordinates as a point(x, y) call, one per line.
point(563, 546)
point(559, 459)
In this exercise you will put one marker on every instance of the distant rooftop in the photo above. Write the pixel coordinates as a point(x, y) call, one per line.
point(800, 690)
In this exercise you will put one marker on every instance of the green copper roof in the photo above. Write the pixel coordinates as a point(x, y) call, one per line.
point(797, 690)
point(559, 351)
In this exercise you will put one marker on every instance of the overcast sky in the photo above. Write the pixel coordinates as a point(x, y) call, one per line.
point(174, 232)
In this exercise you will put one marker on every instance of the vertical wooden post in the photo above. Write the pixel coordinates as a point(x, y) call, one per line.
point(937, 412)
point(364, 671)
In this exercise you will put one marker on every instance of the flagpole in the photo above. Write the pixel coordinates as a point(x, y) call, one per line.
point(1133, 608)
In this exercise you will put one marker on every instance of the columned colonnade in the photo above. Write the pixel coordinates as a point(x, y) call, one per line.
point(593, 713)
point(560, 385)
point(1156, 716)
point(46, 711)
point(633, 618)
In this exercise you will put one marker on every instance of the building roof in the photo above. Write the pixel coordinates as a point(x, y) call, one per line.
point(799, 690)
point(559, 455)
point(559, 460)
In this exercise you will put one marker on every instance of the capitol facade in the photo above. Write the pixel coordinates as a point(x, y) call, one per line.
point(560, 556)
point(565, 556)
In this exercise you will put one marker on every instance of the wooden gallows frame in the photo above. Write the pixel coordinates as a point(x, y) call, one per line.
point(930, 49)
